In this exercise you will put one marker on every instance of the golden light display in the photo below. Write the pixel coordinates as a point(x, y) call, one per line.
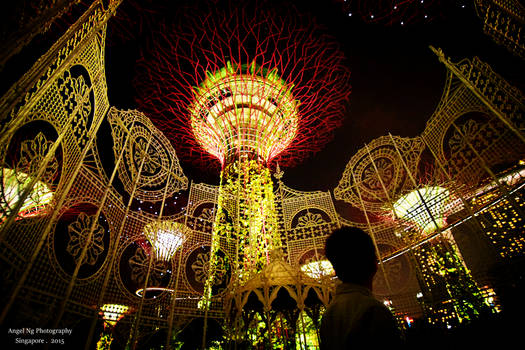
point(13, 184)
point(112, 313)
point(245, 116)
point(243, 111)
point(165, 237)
point(318, 269)
point(425, 207)
point(99, 224)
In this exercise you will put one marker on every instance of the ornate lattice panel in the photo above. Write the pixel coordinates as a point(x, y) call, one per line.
point(478, 124)
point(149, 160)
point(295, 203)
point(375, 174)
point(503, 20)
point(47, 129)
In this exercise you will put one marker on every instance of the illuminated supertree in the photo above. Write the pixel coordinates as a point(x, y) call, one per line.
point(249, 88)
point(450, 294)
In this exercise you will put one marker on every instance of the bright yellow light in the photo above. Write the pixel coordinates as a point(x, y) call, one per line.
point(425, 207)
point(165, 237)
point(13, 184)
point(238, 110)
point(318, 269)
point(112, 313)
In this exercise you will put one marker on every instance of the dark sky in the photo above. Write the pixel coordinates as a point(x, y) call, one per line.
point(397, 80)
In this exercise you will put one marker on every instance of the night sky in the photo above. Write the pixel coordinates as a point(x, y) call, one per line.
point(396, 79)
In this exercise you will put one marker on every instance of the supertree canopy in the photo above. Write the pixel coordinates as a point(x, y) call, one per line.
point(244, 112)
point(228, 79)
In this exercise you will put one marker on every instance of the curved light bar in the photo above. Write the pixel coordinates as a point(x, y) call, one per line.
point(139, 293)
point(240, 112)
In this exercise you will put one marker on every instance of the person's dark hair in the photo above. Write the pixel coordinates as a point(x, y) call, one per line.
point(352, 254)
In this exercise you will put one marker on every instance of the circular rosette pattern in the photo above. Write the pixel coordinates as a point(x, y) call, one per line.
point(138, 269)
point(376, 174)
point(474, 141)
point(80, 238)
point(197, 268)
point(149, 162)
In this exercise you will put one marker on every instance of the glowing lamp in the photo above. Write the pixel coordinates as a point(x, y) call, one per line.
point(244, 110)
point(318, 269)
point(165, 237)
point(112, 313)
point(13, 184)
point(425, 207)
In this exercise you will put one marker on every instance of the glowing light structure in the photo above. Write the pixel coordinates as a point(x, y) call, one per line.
point(165, 237)
point(425, 207)
point(246, 88)
point(13, 184)
point(244, 112)
point(451, 295)
point(112, 313)
point(242, 90)
point(245, 116)
point(243, 80)
point(318, 269)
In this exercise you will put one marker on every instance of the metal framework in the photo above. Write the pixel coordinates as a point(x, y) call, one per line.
point(83, 226)
point(503, 20)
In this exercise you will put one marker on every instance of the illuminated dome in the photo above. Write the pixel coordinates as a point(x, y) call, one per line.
point(318, 269)
point(426, 208)
point(247, 111)
point(112, 313)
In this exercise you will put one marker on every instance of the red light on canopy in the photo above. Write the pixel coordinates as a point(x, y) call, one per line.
point(279, 82)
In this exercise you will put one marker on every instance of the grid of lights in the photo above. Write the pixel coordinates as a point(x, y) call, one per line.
point(244, 110)
point(251, 182)
point(13, 184)
point(165, 237)
point(425, 207)
point(503, 225)
point(455, 297)
point(318, 269)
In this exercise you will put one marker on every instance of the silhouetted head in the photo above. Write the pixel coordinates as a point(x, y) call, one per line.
point(352, 254)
